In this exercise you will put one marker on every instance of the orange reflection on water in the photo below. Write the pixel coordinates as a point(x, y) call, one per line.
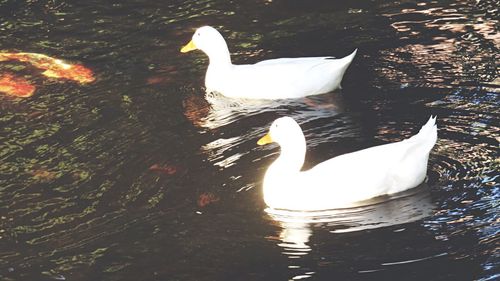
point(54, 68)
point(15, 86)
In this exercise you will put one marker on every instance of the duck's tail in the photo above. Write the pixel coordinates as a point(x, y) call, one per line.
point(348, 59)
point(353, 54)
point(341, 66)
point(428, 133)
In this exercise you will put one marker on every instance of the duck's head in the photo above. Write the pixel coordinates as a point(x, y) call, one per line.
point(208, 40)
point(284, 131)
point(288, 134)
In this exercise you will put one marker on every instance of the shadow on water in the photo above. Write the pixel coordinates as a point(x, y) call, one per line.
point(140, 176)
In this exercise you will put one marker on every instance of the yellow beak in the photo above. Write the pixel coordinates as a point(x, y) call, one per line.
point(189, 47)
point(265, 139)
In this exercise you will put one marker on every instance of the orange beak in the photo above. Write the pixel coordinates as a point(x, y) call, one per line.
point(189, 47)
point(265, 139)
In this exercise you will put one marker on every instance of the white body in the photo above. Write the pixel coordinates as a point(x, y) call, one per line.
point(346, 179)
point(270, 79)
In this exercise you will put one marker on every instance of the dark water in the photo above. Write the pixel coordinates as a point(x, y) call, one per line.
point(78, 200)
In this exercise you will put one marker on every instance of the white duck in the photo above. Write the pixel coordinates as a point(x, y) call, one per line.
point(346, 179)
point(270, 79)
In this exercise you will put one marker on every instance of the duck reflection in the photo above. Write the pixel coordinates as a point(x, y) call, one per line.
point(298, 227)
point(214, 110)
point(222, 117)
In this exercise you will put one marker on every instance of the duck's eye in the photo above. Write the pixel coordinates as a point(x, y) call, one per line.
point(198, 34)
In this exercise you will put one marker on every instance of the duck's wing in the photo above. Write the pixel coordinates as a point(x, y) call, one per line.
point(385, 169)
point(303, 60)
point(274, 80)
point(311, 61)
point(285, 77)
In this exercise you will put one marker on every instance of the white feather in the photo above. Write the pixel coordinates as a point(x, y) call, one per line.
point(343, 180)
point(270, 79)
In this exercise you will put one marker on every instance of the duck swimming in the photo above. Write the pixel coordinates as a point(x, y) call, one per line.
point(343, 180)
point(280, 78)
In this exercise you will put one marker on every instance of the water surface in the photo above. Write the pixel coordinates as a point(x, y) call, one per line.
point(140, 176)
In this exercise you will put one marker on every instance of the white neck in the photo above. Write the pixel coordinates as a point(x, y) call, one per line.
point(292, 156)
point(219, 56)
point(282, 173)
point(218, 68)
